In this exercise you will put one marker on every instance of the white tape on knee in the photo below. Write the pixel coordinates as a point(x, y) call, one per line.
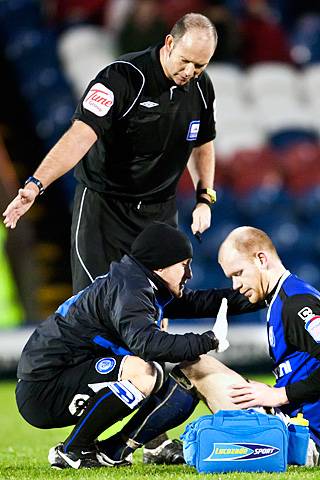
point(127, 392)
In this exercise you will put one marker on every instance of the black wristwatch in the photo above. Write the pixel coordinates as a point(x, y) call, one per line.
point(211, 194)
point(36, 182)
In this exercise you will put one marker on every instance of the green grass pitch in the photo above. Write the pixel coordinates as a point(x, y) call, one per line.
point(23, 454)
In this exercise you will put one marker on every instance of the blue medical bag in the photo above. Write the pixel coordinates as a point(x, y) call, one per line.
point(236, 440)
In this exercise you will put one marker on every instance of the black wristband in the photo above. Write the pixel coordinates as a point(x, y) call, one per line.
point(212, 194)
point(204, 200)
point(36, 182)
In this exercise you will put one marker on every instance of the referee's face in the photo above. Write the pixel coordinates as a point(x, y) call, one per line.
point(187, 57)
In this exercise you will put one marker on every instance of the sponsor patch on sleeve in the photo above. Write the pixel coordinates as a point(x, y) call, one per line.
point(313, 327)
point(312, 322)
point(99, 100)
point(193, 130)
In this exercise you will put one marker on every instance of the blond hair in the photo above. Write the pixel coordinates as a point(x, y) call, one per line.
point(249, 241)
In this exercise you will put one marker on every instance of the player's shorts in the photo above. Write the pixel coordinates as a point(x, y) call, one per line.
point(60, 401)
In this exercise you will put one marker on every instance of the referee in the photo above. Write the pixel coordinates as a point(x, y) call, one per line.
point(139, 123)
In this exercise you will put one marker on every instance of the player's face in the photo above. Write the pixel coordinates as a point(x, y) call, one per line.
point(248, 275)
point(187, 57)
point(176, 276)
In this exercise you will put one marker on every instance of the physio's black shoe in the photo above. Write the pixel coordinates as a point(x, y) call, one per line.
point(169, 452)
point(86, 458)
point(126, 462)
point(54, 458)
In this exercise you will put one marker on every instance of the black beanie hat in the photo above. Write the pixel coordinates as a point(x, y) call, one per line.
point(159, 245)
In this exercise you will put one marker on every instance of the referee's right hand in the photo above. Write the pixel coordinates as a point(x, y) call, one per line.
point(201, 218)
point(20, 205)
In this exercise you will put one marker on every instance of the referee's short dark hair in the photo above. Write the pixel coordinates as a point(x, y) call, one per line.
point(193, 21)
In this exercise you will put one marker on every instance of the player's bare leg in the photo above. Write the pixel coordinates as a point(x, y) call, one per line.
point(212, 378)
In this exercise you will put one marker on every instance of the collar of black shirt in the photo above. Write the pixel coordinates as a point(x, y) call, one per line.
point(164, 82)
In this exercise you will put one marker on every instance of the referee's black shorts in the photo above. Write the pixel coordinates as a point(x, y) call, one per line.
point(60, 401)
point(103, 230)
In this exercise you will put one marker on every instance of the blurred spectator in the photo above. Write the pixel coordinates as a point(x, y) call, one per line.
point(263, 39)
point(291, 10)
point(174, 9)
point(17, 267)
point(115, 14)
point(228, 31)
point(11, 313)
point(75, 11)
point(144, 27)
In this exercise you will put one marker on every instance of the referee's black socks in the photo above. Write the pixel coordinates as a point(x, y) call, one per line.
point(105, 408)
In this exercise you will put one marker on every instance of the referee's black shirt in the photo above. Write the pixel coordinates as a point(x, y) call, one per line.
point(146, 127)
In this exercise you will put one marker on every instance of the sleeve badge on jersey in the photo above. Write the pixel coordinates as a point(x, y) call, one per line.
point(312, 322)
point(99, 100)
point(105, 365)
point(193, 130)
point(313, 327)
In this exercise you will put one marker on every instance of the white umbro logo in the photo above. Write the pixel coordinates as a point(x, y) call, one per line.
point(149, 104)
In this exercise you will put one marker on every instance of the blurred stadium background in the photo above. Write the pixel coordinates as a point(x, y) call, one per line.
point(266, 74)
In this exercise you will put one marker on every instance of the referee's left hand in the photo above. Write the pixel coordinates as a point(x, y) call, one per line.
point(201, 218)
point(20, 205)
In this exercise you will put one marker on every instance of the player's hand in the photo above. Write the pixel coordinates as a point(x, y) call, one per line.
point(220, 328)
point(257, 394)
point(201, 218)
point(19, 206)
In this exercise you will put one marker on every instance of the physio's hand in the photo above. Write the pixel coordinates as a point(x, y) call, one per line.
point(257, 394)
point(220, 328)
point(19, 205)
point(201, 218)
